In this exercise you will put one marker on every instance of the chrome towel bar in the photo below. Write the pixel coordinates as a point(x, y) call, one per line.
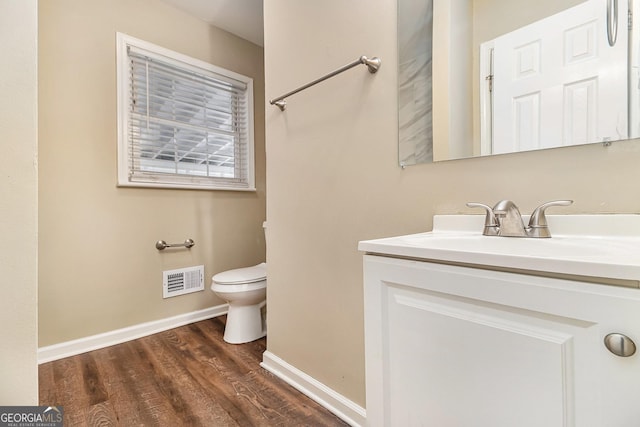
point(373, 64)
point(162, 245)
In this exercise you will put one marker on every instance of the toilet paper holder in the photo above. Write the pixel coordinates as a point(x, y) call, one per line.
point(162, 245)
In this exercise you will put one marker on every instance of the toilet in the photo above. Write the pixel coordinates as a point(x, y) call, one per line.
point(245, 289)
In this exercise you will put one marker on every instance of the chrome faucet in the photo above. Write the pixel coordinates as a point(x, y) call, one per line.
point(505, 219)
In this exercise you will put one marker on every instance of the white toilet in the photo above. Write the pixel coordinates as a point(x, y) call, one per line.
point(245, 289)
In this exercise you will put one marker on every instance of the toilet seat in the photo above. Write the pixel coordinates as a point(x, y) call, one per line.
point(225, 289)
point(241, 276)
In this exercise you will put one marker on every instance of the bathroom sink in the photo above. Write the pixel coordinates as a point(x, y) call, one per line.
point(560, 246)
point(584, 245)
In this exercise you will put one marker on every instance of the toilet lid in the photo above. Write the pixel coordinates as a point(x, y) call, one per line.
point(242, 275)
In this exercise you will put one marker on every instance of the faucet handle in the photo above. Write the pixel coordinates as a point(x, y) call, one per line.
point(491, 225)
point(538, 217)
point(538, 226)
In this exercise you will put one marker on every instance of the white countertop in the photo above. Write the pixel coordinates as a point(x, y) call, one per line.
point(603, 246)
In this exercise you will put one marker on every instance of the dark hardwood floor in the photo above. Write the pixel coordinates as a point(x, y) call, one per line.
point(187, 376)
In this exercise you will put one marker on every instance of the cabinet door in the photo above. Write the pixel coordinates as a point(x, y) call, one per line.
point(458, 346)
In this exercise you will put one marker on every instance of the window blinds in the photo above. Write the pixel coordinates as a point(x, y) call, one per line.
point(186, 125)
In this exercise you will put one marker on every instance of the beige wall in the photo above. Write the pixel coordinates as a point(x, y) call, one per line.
point(99, 270)
point(333, 180)
point(493, 18)
point(19, 202)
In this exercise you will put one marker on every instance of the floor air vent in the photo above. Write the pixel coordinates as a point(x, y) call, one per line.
point(182, 281)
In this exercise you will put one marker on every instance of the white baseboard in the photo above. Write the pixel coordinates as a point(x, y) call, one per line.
point(94, 342)
point(342, 407)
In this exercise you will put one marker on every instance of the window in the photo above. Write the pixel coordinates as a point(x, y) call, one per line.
point(182, 123)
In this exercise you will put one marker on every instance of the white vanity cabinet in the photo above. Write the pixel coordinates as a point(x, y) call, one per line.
point(458, 346)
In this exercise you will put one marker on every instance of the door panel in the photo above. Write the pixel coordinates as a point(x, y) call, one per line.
point(484, 364)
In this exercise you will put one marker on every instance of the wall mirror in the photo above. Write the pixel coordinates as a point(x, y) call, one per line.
point(486, 77)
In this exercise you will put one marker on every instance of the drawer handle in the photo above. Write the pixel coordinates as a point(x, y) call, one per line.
point(620, 345)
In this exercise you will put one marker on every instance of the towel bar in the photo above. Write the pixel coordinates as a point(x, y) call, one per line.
point(373, 64)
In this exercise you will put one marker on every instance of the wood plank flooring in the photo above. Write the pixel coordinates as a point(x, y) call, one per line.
point(186, 376)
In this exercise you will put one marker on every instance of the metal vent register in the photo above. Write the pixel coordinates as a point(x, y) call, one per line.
point(182, 281)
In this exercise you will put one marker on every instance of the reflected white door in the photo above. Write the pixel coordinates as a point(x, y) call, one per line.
point(559, 82)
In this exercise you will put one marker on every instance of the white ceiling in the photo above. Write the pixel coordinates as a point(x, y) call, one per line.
point(240, 17)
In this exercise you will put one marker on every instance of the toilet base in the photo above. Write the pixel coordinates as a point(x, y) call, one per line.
point(244, 324)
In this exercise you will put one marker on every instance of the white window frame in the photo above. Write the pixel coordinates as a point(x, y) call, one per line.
point(126, 177)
